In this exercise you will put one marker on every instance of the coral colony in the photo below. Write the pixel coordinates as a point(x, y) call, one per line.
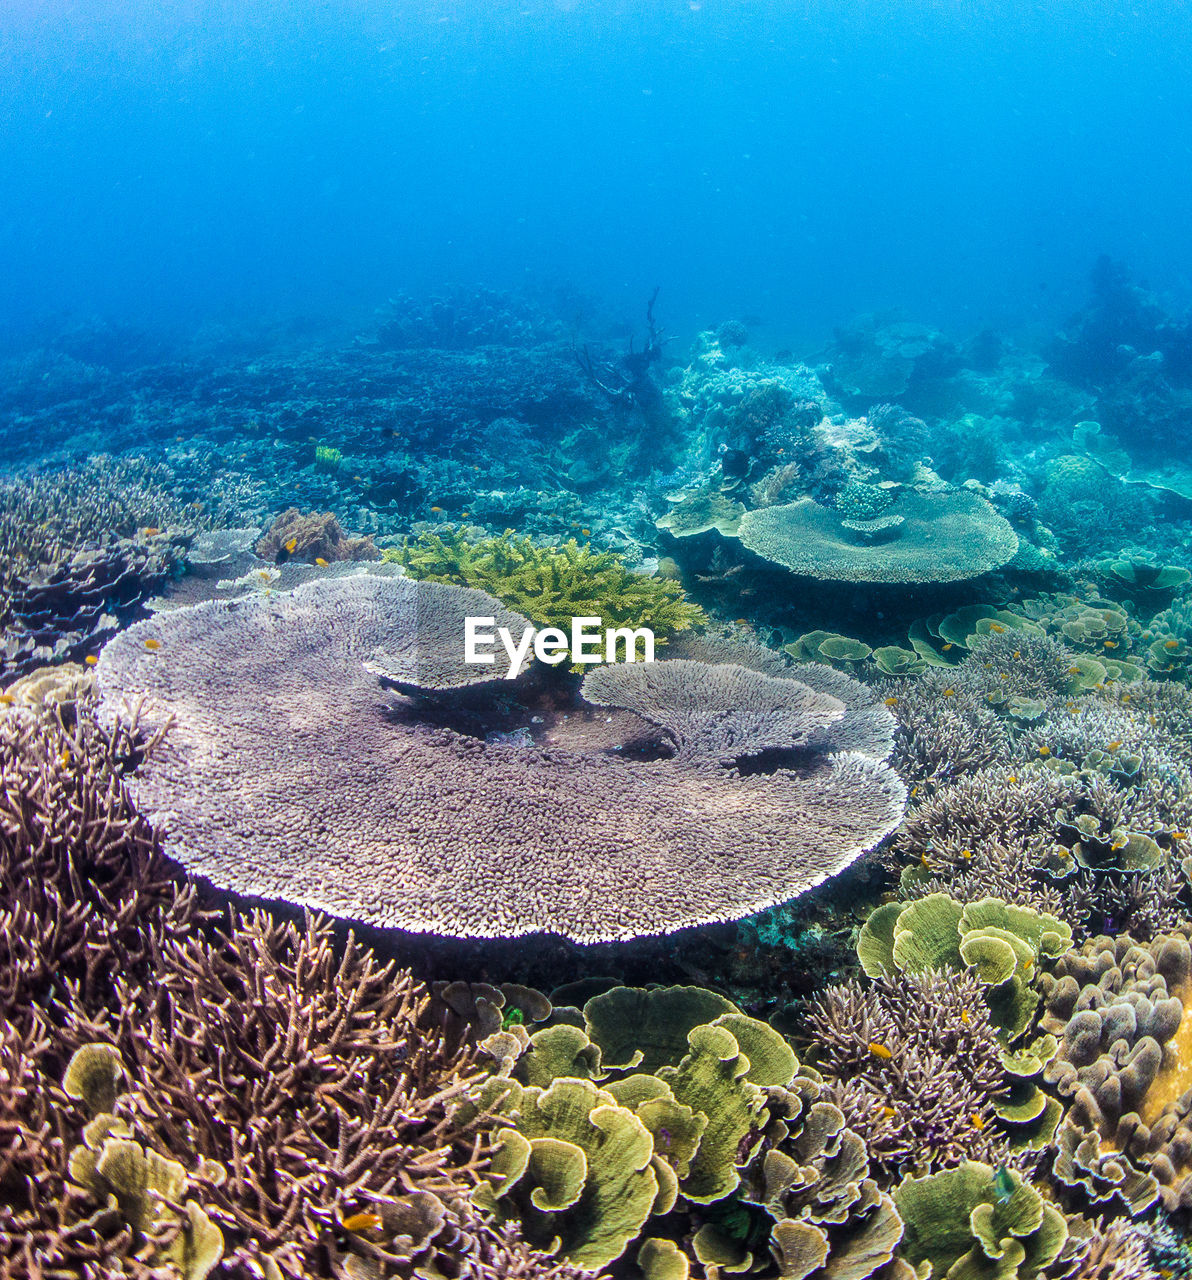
point(526, 812)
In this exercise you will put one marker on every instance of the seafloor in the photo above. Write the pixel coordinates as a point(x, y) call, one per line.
point(850, 939)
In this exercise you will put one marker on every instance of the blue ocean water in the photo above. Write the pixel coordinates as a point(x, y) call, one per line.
point(797, 160)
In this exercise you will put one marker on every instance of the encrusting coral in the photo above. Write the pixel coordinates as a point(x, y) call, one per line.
point(435, 828)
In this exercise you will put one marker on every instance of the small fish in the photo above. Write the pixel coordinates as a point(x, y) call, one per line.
point(964, 1017)
point(949, 692)
point(886, 1113)
point(586, 532)
point(1012, 778)
point(6, 699)
point(150, 531)
point(948, 646)
point(152, 645)
point(891, 702)
point(1171, 644)
point(741, 622)
point(1074, 671)
point(924, 861)
point(1018, 653)
point(291, 545)
point(1125, 697)
point(436, 511)
point(1179, 835)
point(320, 562)
point(914, 791)
point(1113, 746)
point(358, 1222)
point(1003, 1184)
point(91, 659)
point(996, 628)
point(978, 1121)
point(1045, 751)
point(465, 514)
point(64, 759)
point(1110, 644)
point(966, 853)
point(880, 1050)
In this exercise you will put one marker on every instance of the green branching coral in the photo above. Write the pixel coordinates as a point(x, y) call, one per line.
point(551, 585)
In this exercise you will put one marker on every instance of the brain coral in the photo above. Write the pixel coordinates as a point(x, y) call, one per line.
point(941, 537)
point(290, 771)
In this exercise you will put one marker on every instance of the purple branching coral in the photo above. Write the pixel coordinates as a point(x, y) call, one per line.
point(913, 1063)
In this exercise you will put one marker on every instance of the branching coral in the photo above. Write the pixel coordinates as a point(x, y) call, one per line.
point(914, 1064)
point(551, 585)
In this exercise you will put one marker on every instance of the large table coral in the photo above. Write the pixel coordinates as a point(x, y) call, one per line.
point(290, 771)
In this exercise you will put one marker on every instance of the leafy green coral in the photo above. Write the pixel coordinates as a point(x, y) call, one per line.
point(978, 1223)
point(695, 1100)
point(1001, 943)
point(551, 585)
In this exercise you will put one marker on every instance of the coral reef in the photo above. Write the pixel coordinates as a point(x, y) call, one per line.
point(313, 537)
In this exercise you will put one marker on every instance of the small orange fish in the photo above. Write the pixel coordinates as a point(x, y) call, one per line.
point(436, 511)
point(1074, 671)
point(879, 1050)
point(152, 644)
point(1018, 653)
point(923, 860)
point(293, 542)
point(150, 531)
point(1171, 644)
point(358, 1222)
point(465, 513)
point(1113, 746)
point(741, 622)
point(1012, 778)
point(1045, 751)
point(886, 1113)
point(586, 532)
point(6, 699)
point(1179, 835)
point(948, 646)
point(64, 759)
point(996, 628)
point(320, 562)
point(977, 1120)
point(914, 791)
point(949, 692)
point(891, 702)
point(91, 659)
point(966, 853)
point(1110, 644)
point(964, 1017)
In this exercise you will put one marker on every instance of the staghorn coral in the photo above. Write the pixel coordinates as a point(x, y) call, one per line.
point(941, 537)
point(551, 585)
point(316, 536)
point(914, 1064)
point(431, 828)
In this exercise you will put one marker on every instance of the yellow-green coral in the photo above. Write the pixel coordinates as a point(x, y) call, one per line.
point(551, 585)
